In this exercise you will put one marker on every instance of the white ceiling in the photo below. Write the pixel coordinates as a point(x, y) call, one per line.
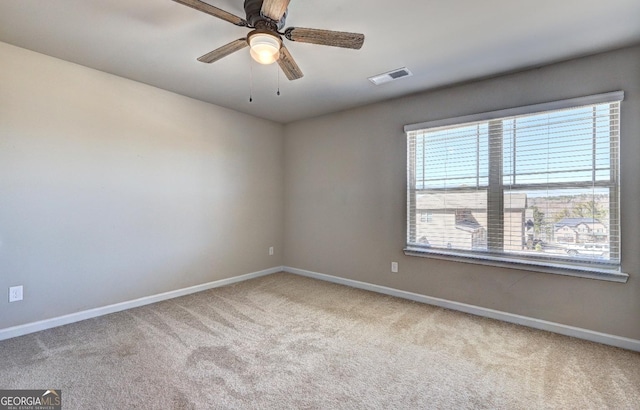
point(441, 41)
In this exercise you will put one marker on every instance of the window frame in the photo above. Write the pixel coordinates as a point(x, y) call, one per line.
point(603, 271)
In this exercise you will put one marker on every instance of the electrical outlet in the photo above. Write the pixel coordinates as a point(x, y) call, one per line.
point(271, 251)
point(394, 267)
point(15, 293)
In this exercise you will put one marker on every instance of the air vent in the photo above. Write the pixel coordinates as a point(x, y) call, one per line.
point(390, 76)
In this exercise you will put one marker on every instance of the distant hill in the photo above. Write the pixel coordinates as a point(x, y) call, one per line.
point(558, 207)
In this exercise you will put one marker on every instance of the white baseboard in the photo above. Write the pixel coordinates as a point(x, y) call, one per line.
point(617, 341)
point(20, 330)
point(585, 334)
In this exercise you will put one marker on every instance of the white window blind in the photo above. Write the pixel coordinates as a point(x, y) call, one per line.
point(534, 185)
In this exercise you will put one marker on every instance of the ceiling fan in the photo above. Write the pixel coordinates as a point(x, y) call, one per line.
point(267, 18)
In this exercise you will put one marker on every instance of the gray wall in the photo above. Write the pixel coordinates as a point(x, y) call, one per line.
point(111, 190)
point(345, 177)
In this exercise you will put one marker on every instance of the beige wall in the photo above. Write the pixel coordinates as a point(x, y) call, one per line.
point(111, 190)
point(345, 209)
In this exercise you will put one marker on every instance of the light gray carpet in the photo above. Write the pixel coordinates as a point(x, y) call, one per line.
point(285, 341)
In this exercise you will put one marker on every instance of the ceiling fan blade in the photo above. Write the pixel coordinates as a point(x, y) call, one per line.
point(288, 65)
point(325, 37)
point(224, 51)
point(274, 9)
point(214, 11)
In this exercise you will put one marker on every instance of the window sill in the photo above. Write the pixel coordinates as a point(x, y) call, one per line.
point(611, 275)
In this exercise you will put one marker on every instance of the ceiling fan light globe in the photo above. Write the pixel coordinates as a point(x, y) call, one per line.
point(265, 48)
point(264, 56)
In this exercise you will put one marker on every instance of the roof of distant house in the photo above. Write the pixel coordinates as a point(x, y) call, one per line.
point(573, 222)
point(468, 225)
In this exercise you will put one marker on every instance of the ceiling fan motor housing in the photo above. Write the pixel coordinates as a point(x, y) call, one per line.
point(255, 18)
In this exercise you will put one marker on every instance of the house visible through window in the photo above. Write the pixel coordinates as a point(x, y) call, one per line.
point(533, 185)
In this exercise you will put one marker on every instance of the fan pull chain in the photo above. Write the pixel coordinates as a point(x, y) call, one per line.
point(250, 81)
point(278, 70)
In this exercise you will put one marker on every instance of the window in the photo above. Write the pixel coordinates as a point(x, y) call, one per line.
point(536, 186)
point(426, 217)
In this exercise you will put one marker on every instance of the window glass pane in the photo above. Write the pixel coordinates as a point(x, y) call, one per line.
point(453, 220)
point(453, 157)
point(559, 223)
point(557, 147)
